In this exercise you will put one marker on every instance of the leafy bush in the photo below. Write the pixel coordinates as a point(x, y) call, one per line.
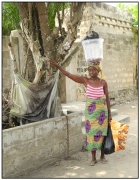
point(133, 9)
point(10, 18)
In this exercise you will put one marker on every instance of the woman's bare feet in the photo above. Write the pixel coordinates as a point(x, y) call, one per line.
point(103, 160)
point(93, 162)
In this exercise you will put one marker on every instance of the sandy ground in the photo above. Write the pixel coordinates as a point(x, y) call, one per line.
point(121, 164)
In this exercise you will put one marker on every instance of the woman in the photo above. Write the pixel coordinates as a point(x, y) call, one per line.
point(97, 111)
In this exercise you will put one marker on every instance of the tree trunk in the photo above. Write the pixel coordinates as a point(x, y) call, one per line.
point(45, 46)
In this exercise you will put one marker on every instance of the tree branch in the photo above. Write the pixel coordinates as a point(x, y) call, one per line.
point(25, 67)
point(63, 12)
point(72, 30)
point(30, 5)
point(71, 9)
point(13, 58)
point(58, 16)
point(67, 60)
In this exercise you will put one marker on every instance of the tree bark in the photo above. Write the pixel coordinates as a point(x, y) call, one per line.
point(48, 44)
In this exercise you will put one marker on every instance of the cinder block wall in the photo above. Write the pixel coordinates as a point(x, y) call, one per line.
point(20, 49)
point(6, 68)
point(29, 146)
point(119, 52)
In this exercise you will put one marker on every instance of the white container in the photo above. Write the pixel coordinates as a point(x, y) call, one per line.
point(93, 49)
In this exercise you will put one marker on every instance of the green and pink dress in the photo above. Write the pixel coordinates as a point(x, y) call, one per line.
point(96, 114)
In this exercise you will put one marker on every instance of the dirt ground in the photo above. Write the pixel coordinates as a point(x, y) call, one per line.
point(121, 164)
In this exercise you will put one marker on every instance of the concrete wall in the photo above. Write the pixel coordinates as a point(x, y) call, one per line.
point(71, 85)
point(119, 52)
point(6, 68)
point(21, 51)
point(29, 146)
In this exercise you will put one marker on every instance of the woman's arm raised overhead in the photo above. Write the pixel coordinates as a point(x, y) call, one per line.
point(76, 78)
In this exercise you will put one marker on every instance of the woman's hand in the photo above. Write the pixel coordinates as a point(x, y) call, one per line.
point(54, 63)
point(76, 78)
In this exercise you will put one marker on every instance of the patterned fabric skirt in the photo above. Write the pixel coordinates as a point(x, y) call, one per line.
point(96, 122)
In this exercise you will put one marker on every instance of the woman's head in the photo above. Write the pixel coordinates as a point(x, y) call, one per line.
point(94, 70)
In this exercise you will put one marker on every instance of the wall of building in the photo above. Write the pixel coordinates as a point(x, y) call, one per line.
point(29, 146)
point(119, 52)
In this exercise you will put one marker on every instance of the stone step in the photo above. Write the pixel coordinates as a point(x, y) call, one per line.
point(119, 117)
point(68, 110)
point(114, 112)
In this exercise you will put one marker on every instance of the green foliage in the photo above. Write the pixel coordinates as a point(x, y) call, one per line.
point(11, 20)
point(121, 6)
point(134, 10)
point(52, 12)
point(10, 17)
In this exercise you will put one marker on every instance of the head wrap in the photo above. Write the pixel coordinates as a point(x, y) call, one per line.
point(97, 67)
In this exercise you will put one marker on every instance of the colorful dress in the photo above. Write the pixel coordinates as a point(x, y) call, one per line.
point(96, 114)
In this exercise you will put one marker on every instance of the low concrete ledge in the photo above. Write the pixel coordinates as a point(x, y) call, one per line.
point(28, 147)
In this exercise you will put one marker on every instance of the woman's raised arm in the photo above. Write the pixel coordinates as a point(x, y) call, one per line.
point(76, 78)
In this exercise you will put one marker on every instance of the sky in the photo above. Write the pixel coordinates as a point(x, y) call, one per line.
point(115, 4)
